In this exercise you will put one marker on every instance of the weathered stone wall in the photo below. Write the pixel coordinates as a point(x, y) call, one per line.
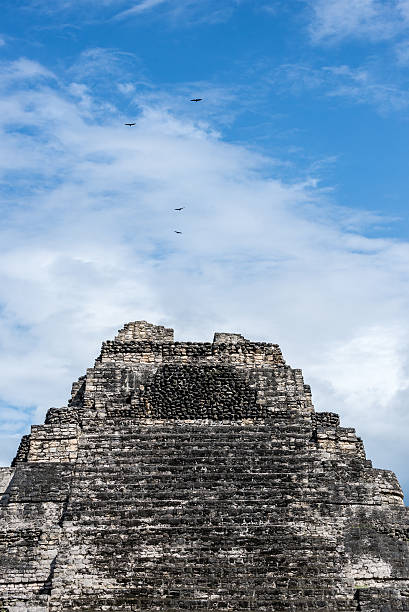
point(141, 330)
point(197, 476)
point(6, 474)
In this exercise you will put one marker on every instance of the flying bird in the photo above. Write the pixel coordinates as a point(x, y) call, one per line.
point(181, 208)
point(176, 232)
point(130, 124)
point(196, 99)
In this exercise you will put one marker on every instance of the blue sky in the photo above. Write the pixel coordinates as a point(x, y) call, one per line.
point(294, 172)
point(290, 78)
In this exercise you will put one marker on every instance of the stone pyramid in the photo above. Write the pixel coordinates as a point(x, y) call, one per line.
point(197, 476)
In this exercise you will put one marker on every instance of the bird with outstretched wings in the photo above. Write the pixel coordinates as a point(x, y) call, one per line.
point(130, 124)
point(196, 99)
point(180, 208)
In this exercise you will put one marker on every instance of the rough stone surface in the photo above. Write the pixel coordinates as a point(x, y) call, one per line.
point(197, 476)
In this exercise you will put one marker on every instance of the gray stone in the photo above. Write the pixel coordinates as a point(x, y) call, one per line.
point(198, 476)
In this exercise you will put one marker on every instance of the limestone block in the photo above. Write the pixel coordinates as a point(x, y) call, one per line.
point(6, 474)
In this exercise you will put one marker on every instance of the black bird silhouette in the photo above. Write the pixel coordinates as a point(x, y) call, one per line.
point(176, 232)
point(196, 99)
point(130, 124)
point(181, 208)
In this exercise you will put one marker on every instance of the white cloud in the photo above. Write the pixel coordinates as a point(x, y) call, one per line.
point(383, 369)
point(23, 69)
point(88, 243)
point(126, 88)
point(334, 20)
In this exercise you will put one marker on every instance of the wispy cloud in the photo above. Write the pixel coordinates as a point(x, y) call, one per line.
point(184, 12)
point(402, 52)
point(180, 12)
point(335, 20)
point(87, 243)
point(359, 85)
point(101, 63)
point(145, 5)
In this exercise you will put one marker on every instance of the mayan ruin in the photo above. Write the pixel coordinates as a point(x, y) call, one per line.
point(198, 476)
